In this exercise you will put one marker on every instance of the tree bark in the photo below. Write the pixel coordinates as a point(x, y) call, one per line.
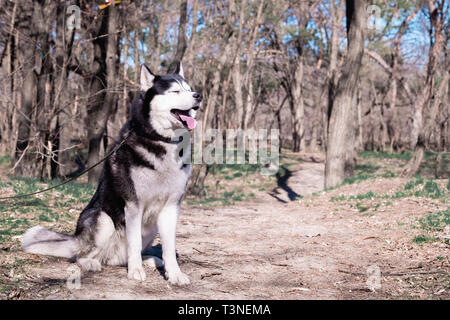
point(104, 70)
point(422, 128)
point(342, 118)
point(161, 33)
point(337, 14)
point(34, 120)
point(63, 51)
point(6, 127)
point(297, 105)
point(181, 41)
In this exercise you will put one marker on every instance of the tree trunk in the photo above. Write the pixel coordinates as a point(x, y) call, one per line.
point(189, 60)
point(337, 14)
point(31, 148)
point(342, 119)
point(6, 127)
point(161, 32)
point(104, 70)
point(297, 105)
point(63, 51)
point(181, 41)
point(200, 172)
point(422, 128)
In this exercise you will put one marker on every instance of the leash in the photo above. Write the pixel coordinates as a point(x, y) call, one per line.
point(73, 178)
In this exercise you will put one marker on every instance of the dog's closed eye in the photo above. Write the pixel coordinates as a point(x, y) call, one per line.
point(176, 91)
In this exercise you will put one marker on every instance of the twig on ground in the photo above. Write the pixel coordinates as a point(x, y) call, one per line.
point(207, 275)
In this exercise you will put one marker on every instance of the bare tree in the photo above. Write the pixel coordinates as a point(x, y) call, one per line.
point(104, 70)
point(181, 42)
point(343, 103)
point(424, 103)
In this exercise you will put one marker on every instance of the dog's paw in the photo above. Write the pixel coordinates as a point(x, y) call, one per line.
point(88, 264)
point(178, 278)
point(136, 273)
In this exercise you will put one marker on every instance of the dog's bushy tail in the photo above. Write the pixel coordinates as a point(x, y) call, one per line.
point(39, 240)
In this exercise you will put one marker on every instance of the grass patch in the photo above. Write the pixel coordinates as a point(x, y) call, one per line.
point(361, 207)
point(418, 188)
point(436, 221)
point(24, 185)
point(405, 155)
point(4, 160)
point(423, 239)
point(424, 188)
point(433, 222)
point(368, 195)
point(338, 198)
point(51, 207)
point(368, 168)
point(388, 174)
point(362, 196)
point(411, 184)
point(357, 178)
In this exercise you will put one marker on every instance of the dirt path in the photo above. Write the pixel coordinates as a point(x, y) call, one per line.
point(272, 248)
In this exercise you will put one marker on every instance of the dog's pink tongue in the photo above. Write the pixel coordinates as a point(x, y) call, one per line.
point(191, 122)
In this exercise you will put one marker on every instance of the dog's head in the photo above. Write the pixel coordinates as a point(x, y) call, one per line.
point(170, 103)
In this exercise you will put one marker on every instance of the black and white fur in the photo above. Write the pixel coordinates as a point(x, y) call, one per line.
point(139, 191)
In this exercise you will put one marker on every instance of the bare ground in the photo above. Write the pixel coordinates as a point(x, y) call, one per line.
point(274, 247)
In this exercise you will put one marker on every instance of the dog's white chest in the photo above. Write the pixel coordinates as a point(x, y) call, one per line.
point(165, 183)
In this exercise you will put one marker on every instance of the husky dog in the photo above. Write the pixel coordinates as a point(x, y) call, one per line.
point(140, 188)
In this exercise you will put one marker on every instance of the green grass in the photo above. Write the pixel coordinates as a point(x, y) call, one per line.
point(436, 221)
point(419, 188)
point(424, 188)
point(5, 160)
point(429, 164)
point(23, 185)
point(405, 156)
point(338, 198)
point(433, 222)
point(369, 195)
point(357, 178)
point(413, 183)
point(52, 206)
point(423, 239)
point(368, 168)
point(388, 174)
point(361, 207)
point(364, 207)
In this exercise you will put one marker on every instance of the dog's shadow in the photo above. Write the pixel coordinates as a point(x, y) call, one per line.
point(156, 251)
point(282, 182)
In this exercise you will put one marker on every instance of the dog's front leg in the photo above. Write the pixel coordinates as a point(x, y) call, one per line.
point(167, 224)
point(133, 229)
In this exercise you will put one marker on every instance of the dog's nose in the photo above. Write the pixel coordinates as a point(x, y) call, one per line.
point(197, 96)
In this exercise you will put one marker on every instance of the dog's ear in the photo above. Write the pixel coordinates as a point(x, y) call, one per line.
point(147, 78)
point(179, 69)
